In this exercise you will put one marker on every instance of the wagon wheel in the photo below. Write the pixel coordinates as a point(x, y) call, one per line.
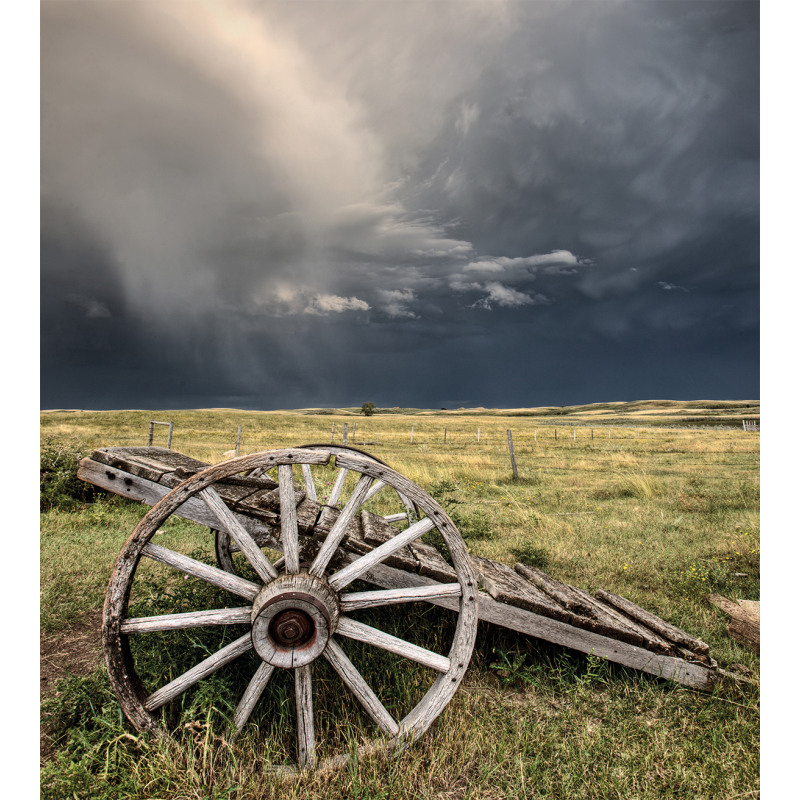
point(294, 617)
point(224, 547)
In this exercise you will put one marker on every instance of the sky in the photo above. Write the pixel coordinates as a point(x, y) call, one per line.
point(428, 204)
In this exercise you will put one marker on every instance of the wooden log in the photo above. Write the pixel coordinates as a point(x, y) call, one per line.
point(563, 594)
point(745, 624)
point(661, 627)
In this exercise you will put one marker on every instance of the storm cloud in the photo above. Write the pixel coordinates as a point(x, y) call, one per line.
point(278, 204)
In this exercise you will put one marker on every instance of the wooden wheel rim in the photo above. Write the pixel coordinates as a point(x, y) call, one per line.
point(130, 692)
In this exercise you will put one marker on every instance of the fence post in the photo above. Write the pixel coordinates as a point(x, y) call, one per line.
point(169, 436)
point(239, 440)
point(412, 434)
point(511, 450)
point(555, 433)
point(574, 434)
point(592, 430)
point(153, 424)
point(534, 436)
point(479, 434)
point(353, 438)
point(445, 433)
point(333, 430)
point(344, 435)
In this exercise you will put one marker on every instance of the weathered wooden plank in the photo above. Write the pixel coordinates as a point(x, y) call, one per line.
point(289, 536)
point(612, 622)
point(431, 563)
point(560, 592)
point(360, 688)
point(505, 585)
point(376, 531)
point(660, 626)
point(369, 635)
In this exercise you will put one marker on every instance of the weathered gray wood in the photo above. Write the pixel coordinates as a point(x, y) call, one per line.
point(306, 743)
point(511, 451)
point(431, 563)
point(347, 575)
point(338, 485)
point(198, 672)
point(190, 619)
point(213, 575)
point(308, 478)
point(505, 585)
point(395, 517)
point(247, 545)
point(745, 624)
point(657, 624)
point(339, 529)
point(369, 635)
point(360, 688)
point(251, 695)
point(384, 597)
point(374, 489)
point(559, 592)
point(291, 546)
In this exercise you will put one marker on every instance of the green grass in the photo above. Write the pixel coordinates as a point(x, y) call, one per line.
point(663, 516)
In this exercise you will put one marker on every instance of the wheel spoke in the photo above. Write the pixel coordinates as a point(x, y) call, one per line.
point(395, 517)
point(289, 540)
point(198, 672)
point(254, 554)
point(337, 487)
point(361, 565)
point(359, 687)
point(339, 528)
point(311, 491)
point(387, 597)
point(306, 749)
point(192, 619)
point(212, 575)
point(376, 487)
point(364, 633)
point(251, 695)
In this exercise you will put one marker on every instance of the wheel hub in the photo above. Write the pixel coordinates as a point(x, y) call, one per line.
point(292, 619)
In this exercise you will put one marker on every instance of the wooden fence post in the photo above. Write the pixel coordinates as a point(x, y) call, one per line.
point(239, 440)
point(534, 436)
point(412, 434)
point(353, 438)
point(153, 424)
point(169, 436)
point(479, 434)
point(333, 430)
point(574, 434)
point(344, 435)
point(445, 433)
point(511, 450)
point(555, 433)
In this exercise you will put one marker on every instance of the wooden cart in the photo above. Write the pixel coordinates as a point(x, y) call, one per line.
point(301, 605)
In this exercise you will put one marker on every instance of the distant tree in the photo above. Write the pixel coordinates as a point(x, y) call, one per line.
point(368, 409)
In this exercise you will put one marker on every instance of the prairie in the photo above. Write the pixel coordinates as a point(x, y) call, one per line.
point(657, 501)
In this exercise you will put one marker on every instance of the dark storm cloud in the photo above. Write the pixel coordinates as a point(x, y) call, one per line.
point(287, 204)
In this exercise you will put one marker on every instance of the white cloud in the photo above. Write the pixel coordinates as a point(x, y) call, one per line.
point(506, 297)
point(669, 287)
point(324, 304)
point(547, 262)
point(394, 303)
point(466, 118)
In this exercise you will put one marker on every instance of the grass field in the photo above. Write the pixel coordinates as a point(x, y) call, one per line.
point(656, 501)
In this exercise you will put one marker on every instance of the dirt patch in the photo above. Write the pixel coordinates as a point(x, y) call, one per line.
point(76, 650)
